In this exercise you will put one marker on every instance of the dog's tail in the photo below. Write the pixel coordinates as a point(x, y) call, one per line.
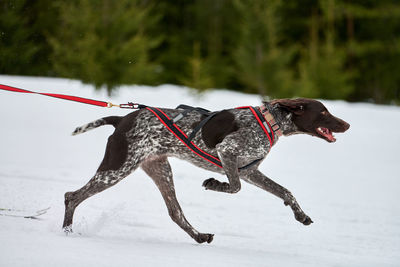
point(113, 120)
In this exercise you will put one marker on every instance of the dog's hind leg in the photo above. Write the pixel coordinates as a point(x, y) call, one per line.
point(100, 182)
point(116, 165)
point(257, 178)
point(160, 171)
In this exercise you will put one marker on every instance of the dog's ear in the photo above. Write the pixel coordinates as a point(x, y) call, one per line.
point(295, 106)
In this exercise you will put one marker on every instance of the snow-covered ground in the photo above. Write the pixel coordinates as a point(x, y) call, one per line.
point(350, 189)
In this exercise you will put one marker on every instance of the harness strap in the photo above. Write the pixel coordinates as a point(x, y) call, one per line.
point(271, 120)
point(190, 108)
point(265, 126)
point(175, 130)
point(200, 125)
point(181, 115)
point(250, 164)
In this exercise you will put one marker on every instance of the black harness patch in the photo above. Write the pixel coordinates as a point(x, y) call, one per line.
point(172, 127)
point(215, 126)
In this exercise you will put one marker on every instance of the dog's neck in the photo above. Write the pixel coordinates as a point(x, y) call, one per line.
point(270, 118)
point(282, 117)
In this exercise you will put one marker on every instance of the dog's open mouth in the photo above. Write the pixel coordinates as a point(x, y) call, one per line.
point(326, 134)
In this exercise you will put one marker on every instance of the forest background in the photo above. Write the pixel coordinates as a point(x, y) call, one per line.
point(330, 49)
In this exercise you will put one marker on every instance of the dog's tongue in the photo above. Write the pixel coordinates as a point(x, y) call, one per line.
point(331, 137)
point(327, 133)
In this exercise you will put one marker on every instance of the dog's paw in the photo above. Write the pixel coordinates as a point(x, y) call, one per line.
point(304, 219)
point(209, 183)
point(68, 229)
point(201, 238)
point(307, 221)
point(212, 184)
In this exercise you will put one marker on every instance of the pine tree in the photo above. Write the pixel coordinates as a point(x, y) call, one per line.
point(262, 65)
point(373, 48)
point(24, 49)
point(315, 48)
point(210, 25)
point(216, 28)
point(105, 43)
point(177, 25)
point(198, 74)
point(322, 68)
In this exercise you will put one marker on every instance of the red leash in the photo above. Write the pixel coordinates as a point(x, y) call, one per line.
point(70, 97)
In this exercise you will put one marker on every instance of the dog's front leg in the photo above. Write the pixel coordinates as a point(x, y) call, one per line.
point(228, 156)
point(257, 178)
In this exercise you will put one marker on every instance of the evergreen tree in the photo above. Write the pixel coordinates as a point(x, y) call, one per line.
point(198, 74)
point(177, 25)
point(217, 32)
point(281, 48)
point(14, 38)
point(209, 25)
point(373, 48)
point(24, 49)
point(322, 68)
point(262, 65)
point(105, 43)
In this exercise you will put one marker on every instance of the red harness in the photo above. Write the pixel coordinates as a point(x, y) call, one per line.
point(169, 124)
point(264, 124)
point(187, 141)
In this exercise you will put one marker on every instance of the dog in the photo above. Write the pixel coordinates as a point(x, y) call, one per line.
point(231, 142)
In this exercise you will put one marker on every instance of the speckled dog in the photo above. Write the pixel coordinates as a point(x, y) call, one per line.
point(233, 136)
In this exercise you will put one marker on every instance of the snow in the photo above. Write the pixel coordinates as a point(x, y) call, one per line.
point(350, 189)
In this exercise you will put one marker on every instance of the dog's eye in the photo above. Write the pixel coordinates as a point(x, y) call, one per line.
point(324, 112)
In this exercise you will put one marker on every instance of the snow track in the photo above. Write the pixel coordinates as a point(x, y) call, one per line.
point(350, 189)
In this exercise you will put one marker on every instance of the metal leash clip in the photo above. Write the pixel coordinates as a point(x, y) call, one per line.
point(130, 105)
point(110, 105)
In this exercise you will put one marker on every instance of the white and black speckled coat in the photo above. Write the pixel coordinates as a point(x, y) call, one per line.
point(234, 136)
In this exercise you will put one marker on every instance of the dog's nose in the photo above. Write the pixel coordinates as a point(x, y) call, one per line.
point(346, 125)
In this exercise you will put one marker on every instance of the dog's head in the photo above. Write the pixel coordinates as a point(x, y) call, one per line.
point(310, 117)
